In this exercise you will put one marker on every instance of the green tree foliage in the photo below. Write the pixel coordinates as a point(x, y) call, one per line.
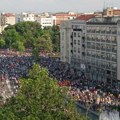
point(55, 36)
point(2, 42)
point(40, 98)
point(27, 35)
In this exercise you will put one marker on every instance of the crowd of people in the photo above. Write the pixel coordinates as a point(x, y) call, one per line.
point(84, 91)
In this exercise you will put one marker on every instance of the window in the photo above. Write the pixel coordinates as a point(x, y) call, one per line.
point(74, 49)
point(114, 66)
point(114, 57)
point(78, 42)
point(114, 48)
point(74, 34)
point(113, 39)
point(78, 50)
point(108, 56)
point(75, 42)
point(78, 34)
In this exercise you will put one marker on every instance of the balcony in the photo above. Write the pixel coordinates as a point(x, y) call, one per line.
point(103, 65)
point(98, 47)
point(114, 68)
point(103, 40)
point(114, 32)
point(88, 31)
point(103, 48)
point(114, 59)
point(108, 58)
point(103, 57)
point(114, 50)
point(97, 31)
point(103, 31)
point(92, 31)
point(108, 66)
point(108, 41)
point(92, 47)
point(114, 41)
point(93, 55)
point(97, 39)
point(108, 32)
point(108, 48)
point(97, 56)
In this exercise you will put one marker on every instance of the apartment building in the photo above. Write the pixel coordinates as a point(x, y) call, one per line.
point(92, 46)
point(46, 21)
point(60, 17)
point(103, 49)
point(73, 40)
point(25, 17)
point(7, 19)
point(111, 11)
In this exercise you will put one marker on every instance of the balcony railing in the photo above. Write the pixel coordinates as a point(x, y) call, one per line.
point(114, 59)
point(108, 66)
point(114, 32)
point(108, 58)
point(114, 50)
point(103, 31)
point(108, 32)
point(97, 31)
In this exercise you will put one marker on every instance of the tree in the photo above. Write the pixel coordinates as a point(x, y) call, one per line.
point(27, 35)
point(55, 37)
point(2, 42)
point(40, 98)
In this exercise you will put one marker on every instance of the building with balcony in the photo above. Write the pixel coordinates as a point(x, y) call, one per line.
point(7, 19)
point(25, 17)
point(102, 49)
point(61, 17)
point(46, 21)
point(111, 11)
point(92, 46)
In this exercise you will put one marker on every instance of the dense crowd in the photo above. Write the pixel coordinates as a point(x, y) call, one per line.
point(92, 94)
point(84, 91)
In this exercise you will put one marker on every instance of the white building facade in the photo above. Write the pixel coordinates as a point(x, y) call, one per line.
point(46, 21)
point(25, 17)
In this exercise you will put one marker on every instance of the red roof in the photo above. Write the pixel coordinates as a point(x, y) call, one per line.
point(85, 17)
point(9, 15)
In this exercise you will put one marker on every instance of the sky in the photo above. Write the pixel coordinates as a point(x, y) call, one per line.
point(17, 6)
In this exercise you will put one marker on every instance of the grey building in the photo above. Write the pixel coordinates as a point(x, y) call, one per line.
point(93, 47)
point(103, 50)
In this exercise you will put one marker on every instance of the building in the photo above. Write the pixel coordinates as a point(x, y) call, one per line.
point(60, 17)
point(25, 17)
point(7, 19)
point(46, 20)
point(73, 38)
point(111, 11)
point(92, 46)
point(102, 49)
